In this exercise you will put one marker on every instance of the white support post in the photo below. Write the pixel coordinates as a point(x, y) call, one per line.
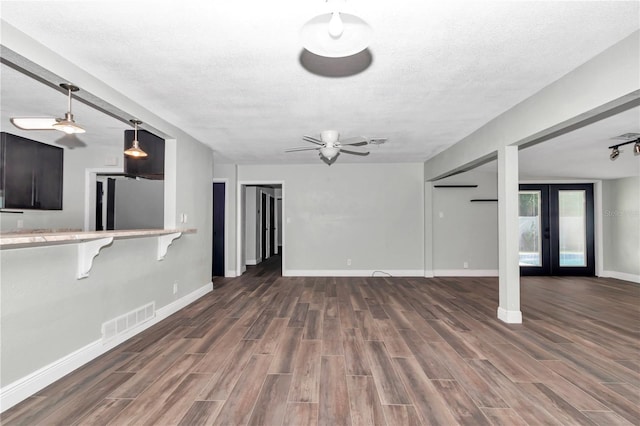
point(508, 236)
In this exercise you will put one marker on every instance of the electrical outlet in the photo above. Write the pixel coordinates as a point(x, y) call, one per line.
point(465, 265)
point(175, 288)
point(20, 224)
point(348, 262)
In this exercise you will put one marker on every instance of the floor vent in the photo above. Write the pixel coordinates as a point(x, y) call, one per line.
point(126, 322)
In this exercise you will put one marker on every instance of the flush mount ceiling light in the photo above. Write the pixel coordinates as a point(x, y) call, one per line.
point(135, 150)
point(335, 35)
point(67, 124)
point(615, 151)
point(33, 123)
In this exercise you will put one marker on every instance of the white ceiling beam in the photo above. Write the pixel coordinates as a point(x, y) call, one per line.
point(601, 87)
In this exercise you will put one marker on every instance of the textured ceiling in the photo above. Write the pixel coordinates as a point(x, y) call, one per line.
point(232, 74)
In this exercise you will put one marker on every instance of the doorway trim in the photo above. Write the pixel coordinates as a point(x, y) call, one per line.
point(240, 220)
point(228, 272)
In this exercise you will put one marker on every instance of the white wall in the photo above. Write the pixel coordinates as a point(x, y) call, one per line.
point(371, 214)
point(251, 226)
point(46, 313)
point(139, 204)
point(621, 228)
point(465, 231)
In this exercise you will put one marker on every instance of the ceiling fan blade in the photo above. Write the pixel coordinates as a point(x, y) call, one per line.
point(312, 140)
point(363, 153)
point(301, 148)
point(355, 141)
point(34, 123)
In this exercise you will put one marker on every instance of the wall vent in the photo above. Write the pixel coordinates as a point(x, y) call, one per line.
point(627, 136)
point(126, 322)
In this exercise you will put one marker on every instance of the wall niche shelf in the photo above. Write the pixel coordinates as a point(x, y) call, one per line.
point(455, 186)
point(483, 200)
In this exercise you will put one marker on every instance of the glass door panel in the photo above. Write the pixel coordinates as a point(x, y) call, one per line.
point(572, 228)
point(530, 226)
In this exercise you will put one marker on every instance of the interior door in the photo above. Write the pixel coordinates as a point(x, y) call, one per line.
point(556, 230)
point(99, 206)
point(218, 229)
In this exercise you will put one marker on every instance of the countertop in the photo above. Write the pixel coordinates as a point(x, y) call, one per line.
point(46, 237)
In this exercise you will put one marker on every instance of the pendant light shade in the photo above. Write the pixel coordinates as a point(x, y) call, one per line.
point(335, 35)
point(135, 150)
point(68, 124)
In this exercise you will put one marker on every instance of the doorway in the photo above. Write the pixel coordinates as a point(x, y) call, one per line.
point(218, 229)
point(556, 230)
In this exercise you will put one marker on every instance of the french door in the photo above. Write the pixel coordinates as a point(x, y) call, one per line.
point(556, 230)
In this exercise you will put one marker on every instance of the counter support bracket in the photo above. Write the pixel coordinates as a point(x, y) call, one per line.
point(87, 251)
point(164, 241)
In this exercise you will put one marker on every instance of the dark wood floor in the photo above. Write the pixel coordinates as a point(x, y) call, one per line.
point(267, 350)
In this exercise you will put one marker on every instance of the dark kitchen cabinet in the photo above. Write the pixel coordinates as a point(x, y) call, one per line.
point(151, 166)
point(30, 174)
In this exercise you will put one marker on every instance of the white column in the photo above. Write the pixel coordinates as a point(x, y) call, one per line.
point(428, 230)
point(508, 236)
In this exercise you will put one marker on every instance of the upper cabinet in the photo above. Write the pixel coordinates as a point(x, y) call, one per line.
point(151, 166)
point(30, 174)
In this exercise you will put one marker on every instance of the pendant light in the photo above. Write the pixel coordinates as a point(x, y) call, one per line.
point(67, 124)
point(135, 150)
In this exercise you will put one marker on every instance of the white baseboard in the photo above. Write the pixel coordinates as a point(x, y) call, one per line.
point(230, 273)
point(621, 276)
point(465, 272)
point(353, 273)
point(251, 262)
point(23, 388)
point(510, 317)
point(428, 274)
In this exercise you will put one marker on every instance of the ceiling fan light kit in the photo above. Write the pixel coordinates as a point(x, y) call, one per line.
point(330, 146)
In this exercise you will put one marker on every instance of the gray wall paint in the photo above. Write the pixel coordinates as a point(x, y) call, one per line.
point(621, 225)
point(46, 313)
point(464, 231)
point(251, 225)
point(139, 204)
point(372, 214)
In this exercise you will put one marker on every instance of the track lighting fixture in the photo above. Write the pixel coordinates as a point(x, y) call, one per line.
point(615, 151)
point(135, 150)
point(67, 124)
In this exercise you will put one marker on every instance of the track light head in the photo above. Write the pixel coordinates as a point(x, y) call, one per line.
point(636, 148)
point(615, 152)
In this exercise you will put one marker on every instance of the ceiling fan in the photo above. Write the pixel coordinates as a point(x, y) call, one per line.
point(66, 124)
point(330, 145)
